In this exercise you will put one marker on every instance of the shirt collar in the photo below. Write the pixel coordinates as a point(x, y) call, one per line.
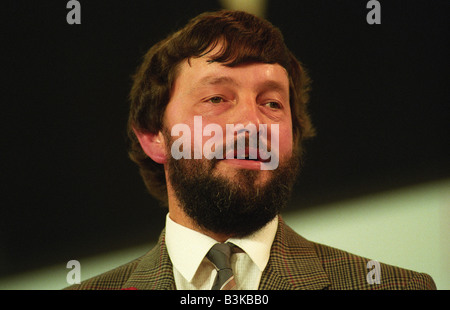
point(187, 247)
point(258, 245)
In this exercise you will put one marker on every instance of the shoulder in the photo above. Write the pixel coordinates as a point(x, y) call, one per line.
point(349, 271)
point(117, 278)
point(153, 270)
point(110, 280)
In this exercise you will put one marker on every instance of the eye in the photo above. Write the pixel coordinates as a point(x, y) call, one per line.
point(215, 100)
point(273, 105)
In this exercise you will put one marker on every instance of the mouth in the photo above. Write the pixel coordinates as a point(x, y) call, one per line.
point(258, 158)
point(250, 154)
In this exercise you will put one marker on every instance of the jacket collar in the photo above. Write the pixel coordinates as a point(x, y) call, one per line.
point(293, 264)
point(155, 271)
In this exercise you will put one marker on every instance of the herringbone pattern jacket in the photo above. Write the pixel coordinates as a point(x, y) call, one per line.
point(294, 264)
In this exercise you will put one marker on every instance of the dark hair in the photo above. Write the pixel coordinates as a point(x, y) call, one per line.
point(244, 38)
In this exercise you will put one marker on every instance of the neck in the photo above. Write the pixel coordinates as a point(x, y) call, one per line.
point(178, 215)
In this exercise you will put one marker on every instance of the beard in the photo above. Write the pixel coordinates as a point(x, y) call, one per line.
point(237, 206)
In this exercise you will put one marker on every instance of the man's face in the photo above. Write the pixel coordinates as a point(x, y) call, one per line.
point(253, 93)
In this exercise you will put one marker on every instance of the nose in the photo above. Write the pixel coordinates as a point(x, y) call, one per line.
point(247, 112)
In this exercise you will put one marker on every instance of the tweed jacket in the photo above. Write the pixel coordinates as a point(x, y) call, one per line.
point(294, 264)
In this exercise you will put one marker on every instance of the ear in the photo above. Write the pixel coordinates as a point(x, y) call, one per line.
point(153, 145)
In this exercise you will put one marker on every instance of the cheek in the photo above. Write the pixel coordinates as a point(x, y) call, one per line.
point(203, 132)
point(286, 141)
point(211, 129)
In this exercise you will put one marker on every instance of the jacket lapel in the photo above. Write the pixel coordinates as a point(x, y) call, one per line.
point(154, 272)
point(293, 264)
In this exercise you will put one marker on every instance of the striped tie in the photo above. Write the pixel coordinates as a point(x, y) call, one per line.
point(220, 255)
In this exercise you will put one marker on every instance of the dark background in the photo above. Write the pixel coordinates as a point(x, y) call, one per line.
point(379, 102)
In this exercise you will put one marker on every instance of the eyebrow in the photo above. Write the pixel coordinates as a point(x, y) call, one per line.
point(274, 85)
point(215, 80)
point(220, 80)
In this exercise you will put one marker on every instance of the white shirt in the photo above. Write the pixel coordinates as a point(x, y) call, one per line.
point(187, 249)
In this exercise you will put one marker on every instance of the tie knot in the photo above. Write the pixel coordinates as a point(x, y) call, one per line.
point(219, 255)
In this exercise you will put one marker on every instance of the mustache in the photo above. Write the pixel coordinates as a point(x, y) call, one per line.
point(239, 142)
point(246, 146)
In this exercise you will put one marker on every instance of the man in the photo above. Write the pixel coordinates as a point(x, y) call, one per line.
point(229, 73)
